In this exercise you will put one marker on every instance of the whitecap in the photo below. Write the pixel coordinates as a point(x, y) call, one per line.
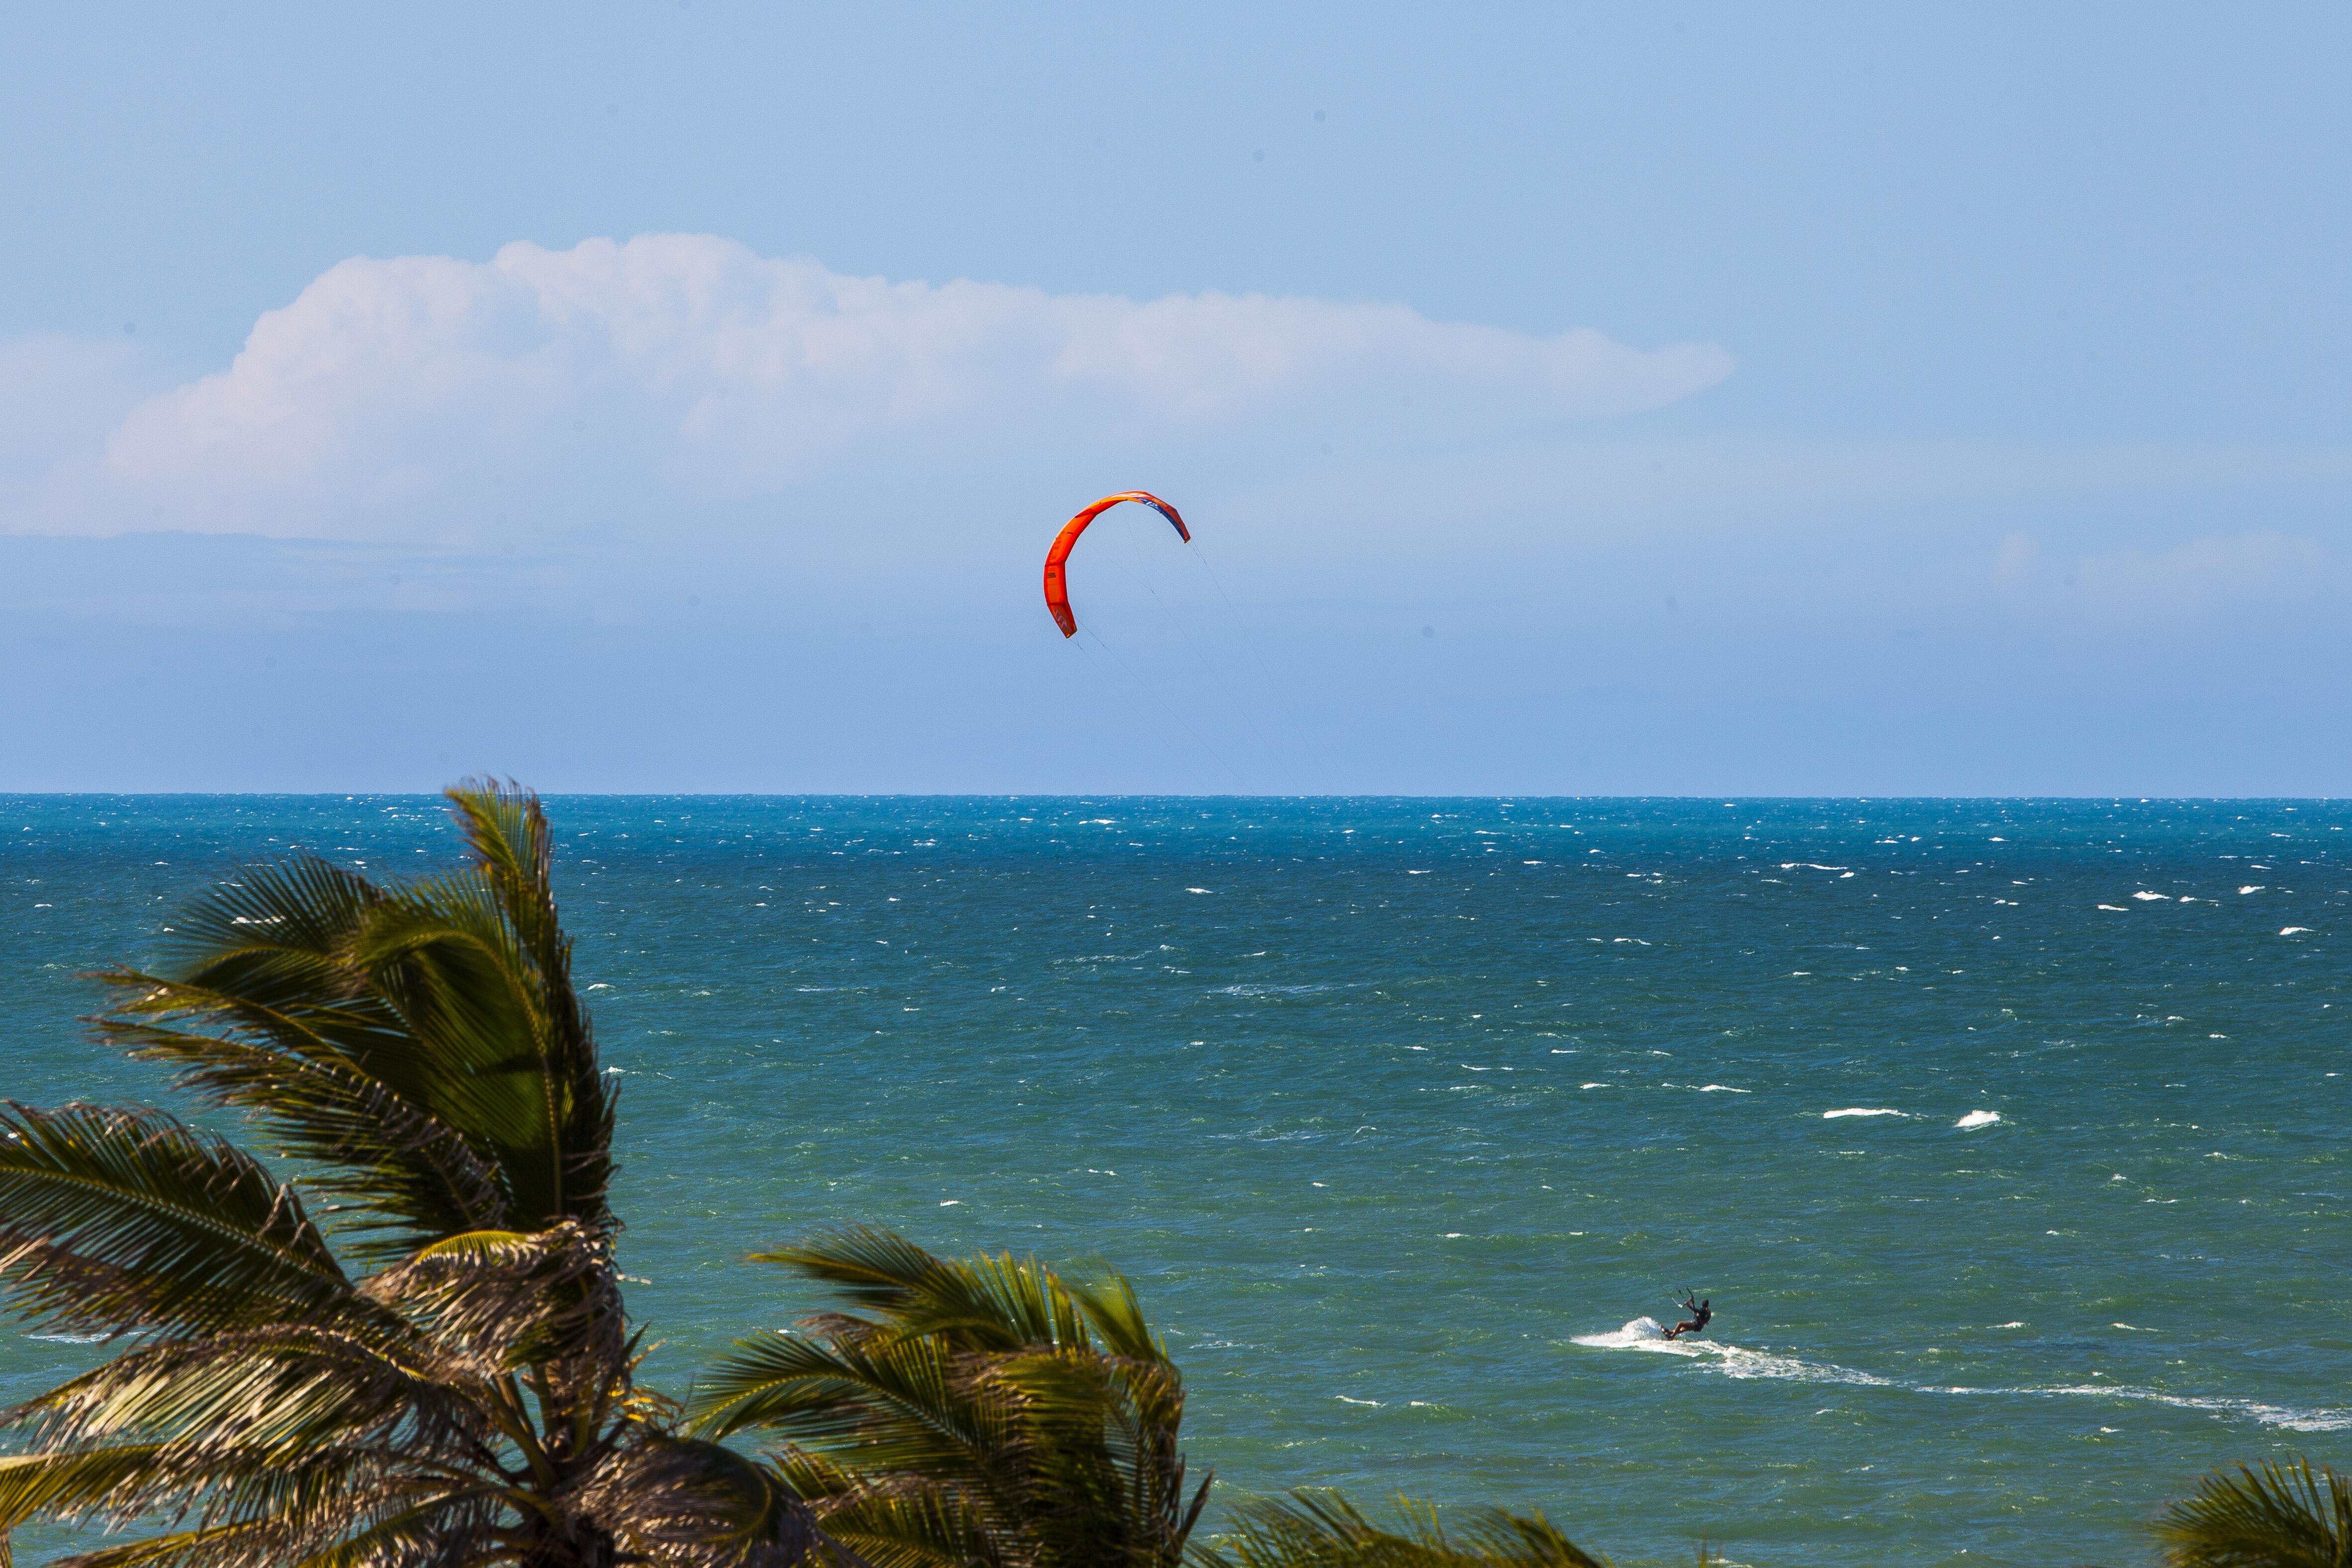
point(2252, 887)
point(1345, 1400)
point(1196, 890)
point(2148, 897)
point(68, 1338)
point(1722, 1089)
point(2118, 908)
point(2293, 930)
point(1978, 1119)
point(1861, 1110)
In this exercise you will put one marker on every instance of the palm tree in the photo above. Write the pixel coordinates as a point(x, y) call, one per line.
point(1321, 1530)
point(977, 1413)
point(2280, 1516)
point(413, 1353)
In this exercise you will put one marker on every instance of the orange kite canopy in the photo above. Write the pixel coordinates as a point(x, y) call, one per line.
point(1058, 584)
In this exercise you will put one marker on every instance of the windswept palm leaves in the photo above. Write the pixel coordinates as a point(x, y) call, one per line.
point(980, 1413)
point(419, 1050)
point(1321, 1530)
point(2279, 1516)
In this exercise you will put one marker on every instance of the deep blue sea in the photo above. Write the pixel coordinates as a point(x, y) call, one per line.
point(2007, 1137)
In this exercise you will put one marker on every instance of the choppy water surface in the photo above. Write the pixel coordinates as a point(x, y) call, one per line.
point(2006, 1137)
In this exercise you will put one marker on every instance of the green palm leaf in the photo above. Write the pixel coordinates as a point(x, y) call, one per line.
point(1322, 1530)
point(117, 1222)
point(907, 1521)
point(978, 1411)
point(424, 1043)
point(2279, 1516)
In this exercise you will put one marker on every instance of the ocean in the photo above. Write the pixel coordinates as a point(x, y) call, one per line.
point(2006, 1137)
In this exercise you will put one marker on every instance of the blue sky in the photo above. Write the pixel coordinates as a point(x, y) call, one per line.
point(1824, 400)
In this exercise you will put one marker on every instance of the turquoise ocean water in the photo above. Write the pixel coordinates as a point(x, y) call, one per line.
point(2007, 1137)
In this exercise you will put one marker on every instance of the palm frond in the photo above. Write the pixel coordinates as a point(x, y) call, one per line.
point(69, 1485)
point(424, 1041)
point(985, 1303)
point(405, 1171)
point(117, 1222)
point(2279, 1516)
point(514, 850)
point(236, 1508)
point(494, 1301)
point(900, 1406)
point(682, 1503)
point(251, 1543)
point(964, 1400)
point(1310, 1529)
point(263, 1395)
point(904, 1521)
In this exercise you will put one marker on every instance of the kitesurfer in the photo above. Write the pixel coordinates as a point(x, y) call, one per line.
point(1696, 1322)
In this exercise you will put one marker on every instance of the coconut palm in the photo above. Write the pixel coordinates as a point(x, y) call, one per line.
point(1322, 1530)
point(975, 1413)
point(2279, 1516)
point(412, 1353)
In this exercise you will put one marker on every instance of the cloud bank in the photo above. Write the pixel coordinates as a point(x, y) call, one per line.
point(430, 399)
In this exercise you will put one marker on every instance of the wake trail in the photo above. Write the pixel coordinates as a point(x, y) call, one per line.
point(1646, 1335)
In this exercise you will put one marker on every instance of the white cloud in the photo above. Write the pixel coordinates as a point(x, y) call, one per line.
point(427, 398)
point(2215, 570)
point(2220, 567)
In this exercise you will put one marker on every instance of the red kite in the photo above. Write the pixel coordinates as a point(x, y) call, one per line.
point(1058, 587)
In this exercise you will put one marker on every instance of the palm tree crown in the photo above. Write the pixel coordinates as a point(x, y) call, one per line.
point(469, 1397)
point(978, 1413)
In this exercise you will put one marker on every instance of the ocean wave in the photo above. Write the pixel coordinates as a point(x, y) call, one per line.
point(1862, 1111)
point(1978, 1119)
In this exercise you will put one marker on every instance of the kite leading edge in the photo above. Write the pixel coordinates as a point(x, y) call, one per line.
point(1058, 587)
